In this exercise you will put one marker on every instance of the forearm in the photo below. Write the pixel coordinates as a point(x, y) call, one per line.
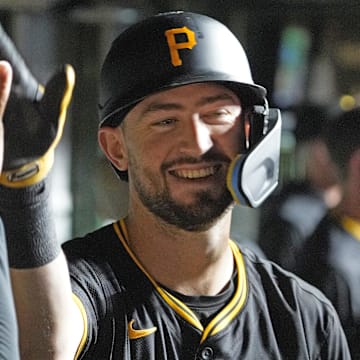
point(49, 322)
point(29, 226)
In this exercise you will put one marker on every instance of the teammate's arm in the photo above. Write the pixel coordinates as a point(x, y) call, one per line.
point(8, 325)
point(50, 324)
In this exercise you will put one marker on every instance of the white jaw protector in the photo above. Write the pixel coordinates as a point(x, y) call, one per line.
point(253, 176)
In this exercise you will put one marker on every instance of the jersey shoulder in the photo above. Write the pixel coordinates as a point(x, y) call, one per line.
point(91, 243)
point(278, 286)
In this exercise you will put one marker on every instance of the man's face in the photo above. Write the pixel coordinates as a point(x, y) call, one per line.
point(179, 144)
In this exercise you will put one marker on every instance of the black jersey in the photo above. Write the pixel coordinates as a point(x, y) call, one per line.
point(271, 313)
point(287, 219)
point(331, 261)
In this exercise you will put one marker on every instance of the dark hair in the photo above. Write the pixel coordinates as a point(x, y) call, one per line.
point(311, 119)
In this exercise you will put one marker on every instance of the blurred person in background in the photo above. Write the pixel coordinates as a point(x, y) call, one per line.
point(291, 214)
point(330, 258)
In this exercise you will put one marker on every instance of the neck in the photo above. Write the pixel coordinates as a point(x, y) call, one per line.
point(192, 263)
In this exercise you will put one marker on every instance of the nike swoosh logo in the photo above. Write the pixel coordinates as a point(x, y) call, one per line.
point(137, 334)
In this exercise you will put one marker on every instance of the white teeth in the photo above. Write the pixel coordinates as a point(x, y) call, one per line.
point(195, 174)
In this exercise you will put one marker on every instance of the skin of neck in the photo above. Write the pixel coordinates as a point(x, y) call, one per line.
point(189, 262)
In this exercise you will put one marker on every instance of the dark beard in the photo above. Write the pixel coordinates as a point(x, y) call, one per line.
point(198, 217)
point(205, 210)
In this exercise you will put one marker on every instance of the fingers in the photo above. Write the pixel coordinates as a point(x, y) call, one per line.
point(5, 85)
point(23, 83)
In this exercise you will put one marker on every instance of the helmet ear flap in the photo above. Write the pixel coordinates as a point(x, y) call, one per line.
point(253, 176)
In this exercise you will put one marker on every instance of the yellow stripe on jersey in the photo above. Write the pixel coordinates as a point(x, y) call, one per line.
point(227, 314)
point(173, 302)
point(224, 317)
point(182, 309)
point(352, 226)
point(81, 307)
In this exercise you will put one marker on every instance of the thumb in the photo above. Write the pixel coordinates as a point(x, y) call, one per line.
point(57, 98)
point(5, 85)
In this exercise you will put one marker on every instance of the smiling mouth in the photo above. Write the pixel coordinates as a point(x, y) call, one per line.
point(195, 173)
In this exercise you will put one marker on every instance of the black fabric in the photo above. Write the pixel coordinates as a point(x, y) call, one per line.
point(288, 218)
point(331, 261)
point(30, 230)
point(8, 327)
point(205, 307)
point(282, 317)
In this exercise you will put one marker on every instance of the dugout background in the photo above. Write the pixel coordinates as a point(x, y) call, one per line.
point(299, 50)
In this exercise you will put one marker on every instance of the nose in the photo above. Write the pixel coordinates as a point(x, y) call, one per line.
point(196, 137)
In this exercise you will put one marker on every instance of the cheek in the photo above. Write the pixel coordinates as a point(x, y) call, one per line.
point(157, 142)
point(147, 154)
point(233, 140)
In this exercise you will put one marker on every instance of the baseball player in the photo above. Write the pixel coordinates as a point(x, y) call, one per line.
point(183, 122)
point(294, 211)
point(329, 259)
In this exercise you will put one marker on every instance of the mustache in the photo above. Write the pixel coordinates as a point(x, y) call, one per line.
point(210, 156)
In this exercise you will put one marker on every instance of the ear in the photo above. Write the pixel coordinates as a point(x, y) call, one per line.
point(112, 143)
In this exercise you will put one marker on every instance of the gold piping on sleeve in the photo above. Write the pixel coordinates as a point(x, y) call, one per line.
point(81, 307)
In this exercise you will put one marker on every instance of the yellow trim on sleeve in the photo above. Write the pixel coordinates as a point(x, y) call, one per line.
point(81, 307)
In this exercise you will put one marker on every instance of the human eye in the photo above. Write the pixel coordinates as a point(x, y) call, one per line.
point(164, 123)
point(220, 116)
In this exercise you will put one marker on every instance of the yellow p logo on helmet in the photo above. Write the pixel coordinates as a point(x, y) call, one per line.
point(175, 46)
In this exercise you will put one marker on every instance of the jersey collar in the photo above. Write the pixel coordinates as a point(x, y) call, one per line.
point(228, 312)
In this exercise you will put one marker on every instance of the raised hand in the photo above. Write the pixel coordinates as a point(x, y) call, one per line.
point(5, 86)
point(33, 120)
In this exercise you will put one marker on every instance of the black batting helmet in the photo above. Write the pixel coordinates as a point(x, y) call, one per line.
point(168, 50)
point(179, 48)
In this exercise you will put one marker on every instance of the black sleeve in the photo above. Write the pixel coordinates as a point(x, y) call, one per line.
point(278, 238)
point(87, 286)
point(330, 271)
point(95, 284)
point(335, 346)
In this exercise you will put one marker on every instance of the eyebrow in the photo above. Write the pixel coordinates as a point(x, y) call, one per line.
point(158, 106)
point(213, 99)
